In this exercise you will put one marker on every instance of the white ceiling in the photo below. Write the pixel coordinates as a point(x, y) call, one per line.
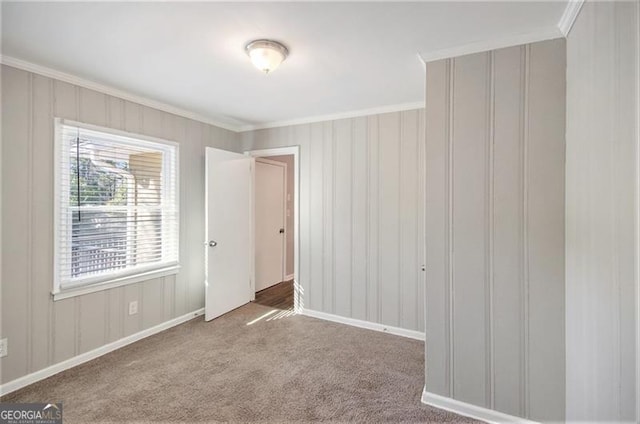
point(344, 56)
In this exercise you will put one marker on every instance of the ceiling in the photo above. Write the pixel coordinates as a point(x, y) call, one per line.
point(343, 56)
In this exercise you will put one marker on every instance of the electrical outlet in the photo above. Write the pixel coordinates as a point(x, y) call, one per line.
point(133, 307)
point(4, 348)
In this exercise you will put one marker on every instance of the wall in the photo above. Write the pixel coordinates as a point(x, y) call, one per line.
point(495, 229)
point(288, 159)
point(42, 332)
point(602, 182)
point(361, 209)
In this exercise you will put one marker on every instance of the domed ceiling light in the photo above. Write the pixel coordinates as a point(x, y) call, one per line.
point(266, 55)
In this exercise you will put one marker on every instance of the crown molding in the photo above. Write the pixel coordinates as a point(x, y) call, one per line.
point(92, 85)
point(102, 88)
point(335, 116)
point(492, 44)
point(569, 16)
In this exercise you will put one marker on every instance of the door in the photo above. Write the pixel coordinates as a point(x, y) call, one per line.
point(229, 254)
point(270, 222)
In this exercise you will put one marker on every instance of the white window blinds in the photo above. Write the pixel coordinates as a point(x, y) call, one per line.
point(117, 205)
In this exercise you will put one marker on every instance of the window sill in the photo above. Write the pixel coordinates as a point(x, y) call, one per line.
point(116, 282)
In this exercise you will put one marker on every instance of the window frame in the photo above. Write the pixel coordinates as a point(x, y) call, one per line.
point(120, 277)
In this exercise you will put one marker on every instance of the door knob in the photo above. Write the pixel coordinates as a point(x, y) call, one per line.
point(213, 243)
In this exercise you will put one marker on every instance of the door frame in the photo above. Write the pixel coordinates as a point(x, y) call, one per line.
point(283, 246)
point(298, 294)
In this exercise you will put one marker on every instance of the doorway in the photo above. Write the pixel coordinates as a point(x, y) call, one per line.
point(271, 210)
point(276, 200)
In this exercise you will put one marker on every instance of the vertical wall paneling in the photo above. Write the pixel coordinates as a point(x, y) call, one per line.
point(449, 228)
point(303, 136)
point(437, 361)
point(507, 230)
point(525, 232)
point(468, 221)
point(15, 154)
point(169, 282)
point(489, 237)
point(409, 204)
point(363, 225)
point(343, 133)
point(328, 186)
point(545, 228)
point(182, 279)
point(373, 246)
point(418, 220)
point(41, 219)
point(389, 277)
point(420, 223)
point(64, 332)
point(359, 219)
point(603, 126)
point(494, 226)
point(315, 297)
point(43, 332)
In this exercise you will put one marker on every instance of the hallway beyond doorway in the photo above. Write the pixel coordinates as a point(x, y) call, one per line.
point(279, 296)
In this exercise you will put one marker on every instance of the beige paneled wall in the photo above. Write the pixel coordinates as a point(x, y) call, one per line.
point(361, 214)
point(42, 332)
point(603, 75)
point(495, 229)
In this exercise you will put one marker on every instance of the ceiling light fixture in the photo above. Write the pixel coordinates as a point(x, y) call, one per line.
point(266, 55)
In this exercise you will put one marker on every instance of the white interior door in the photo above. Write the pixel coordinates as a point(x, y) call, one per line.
point(229, 229)
point(270, 222)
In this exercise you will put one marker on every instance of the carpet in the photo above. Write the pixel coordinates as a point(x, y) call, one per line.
point(254, 364)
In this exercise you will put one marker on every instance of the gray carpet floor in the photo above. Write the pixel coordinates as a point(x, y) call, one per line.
point(254, 364)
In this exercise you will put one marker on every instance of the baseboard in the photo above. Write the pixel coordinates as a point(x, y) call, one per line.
point(412, 334)
point(28, 379)
point(288, 277)
point(469, 410)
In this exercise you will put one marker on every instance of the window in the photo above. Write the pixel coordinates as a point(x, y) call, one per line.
point(117, 207)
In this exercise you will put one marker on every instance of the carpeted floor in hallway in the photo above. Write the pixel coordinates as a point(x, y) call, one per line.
point(253, 364)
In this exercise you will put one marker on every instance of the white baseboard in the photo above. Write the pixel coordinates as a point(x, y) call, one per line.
point(288, 277)
point(469, 410)
point(412, 334)
point(28, 379)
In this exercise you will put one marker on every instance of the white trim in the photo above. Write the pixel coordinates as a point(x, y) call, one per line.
point(116, 282)
point(237, 126)
point(569, 16)
point(335, 116)
point(411, 334)
point(289, 277)
point(93, 284)
point(492, 44)
point(469, 410)
point(111, 91)
point(34, 377)
point(295, 151)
